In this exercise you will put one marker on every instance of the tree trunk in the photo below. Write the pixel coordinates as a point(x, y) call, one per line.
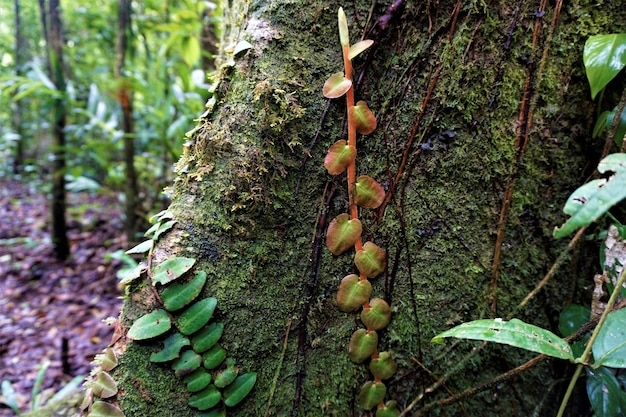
point(484, 122)
point(54, 43)
point(132, 222)
point(20, 58)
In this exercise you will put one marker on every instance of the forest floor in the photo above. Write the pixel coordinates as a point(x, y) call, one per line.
point(53, 310)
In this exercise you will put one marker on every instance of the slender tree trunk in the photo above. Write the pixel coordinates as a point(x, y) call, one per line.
point(484, 120)
point(20, 59)
point(52, 29)
point(132, 222)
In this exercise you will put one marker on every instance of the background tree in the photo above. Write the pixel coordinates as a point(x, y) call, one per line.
point(484, 123)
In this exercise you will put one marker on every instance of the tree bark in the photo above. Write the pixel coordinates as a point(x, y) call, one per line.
point(20, 58)
point(484, 122)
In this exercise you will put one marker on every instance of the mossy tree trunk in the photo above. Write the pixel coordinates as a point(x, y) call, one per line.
point(484, 122)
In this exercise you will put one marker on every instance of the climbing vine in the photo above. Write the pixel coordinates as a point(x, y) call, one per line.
point(182, 322)
point(344, 232)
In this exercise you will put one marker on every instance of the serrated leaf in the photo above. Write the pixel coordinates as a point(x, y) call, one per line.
point(605, 395)
point(172, 269)
point(368, 193)
point(353, 293)
point(514, 333)
point(205, 399)
point(239, 389)
point(177, 296)
point(342, 233)
point(171, 348)
point(196, 316)
point(336, 85)
point(143, 247)
point(609, 349)
point(188, 362)
point(151, 325)
point(104, 386)
point(340, 155)
point(372, 393)
point(207, 337)
point(595, 198)
point(359, 47)
point(362, 345)
point(377, 315)
point(371, 261)
point(362, 117)
point(103, 409)
point(604, 57)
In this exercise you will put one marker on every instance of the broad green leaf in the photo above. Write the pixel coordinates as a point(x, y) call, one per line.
point(362, 345)
point(604, 57)
point(228, 375)
point(104, 386)
point(336, 86)
point(572, 317)
point(595, 198)
point(605, 395)
point(515, 333)
point(609, 349)
point(143, 247)
point(372, 393)
point(190, 50)
point(205, 399)
point(353, 293)
point(363, 118)
point(237, 391)
point(163, 228)
point(151, 325)
point(368, 192)
point(171, 348)
point(171, 269)
point(342, 233)
point(371, 261)
point(359, 47)
point(193, 318)
point(177, 296)
point(339, 156)
point(102, 409)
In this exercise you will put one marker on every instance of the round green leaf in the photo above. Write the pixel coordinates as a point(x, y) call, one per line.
point(237, 391)
point(377, 315)
point(196, 316)
point(171, 349)
point(339, 156)
point(151, 325)
point(103, 409)
point(362, 117)
point(372, 393)
point(371, 260)
point(171, 269)
point(177, 296)
point(205, 399)
point(353, 293)
point(604, 57)
point(336, 86)
point(368, 193)
point(572, 317)
point(362, 345)
point(609, 349)
point(383, 366)
point(342, 233)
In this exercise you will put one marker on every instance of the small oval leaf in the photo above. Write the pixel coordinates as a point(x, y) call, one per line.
point(383, 366)
point(227, 376)
point(339, 156)
point(362, 345)
point(372, 393)
point(177, 296)
point(151, 325)
point(377, 315)
point(237, 391)
point(197, 380)
point(353, 293)
point(363, 118)
point(171, 349)
point(188, 362)
point(371, 260)
point(171, 269)
point(336, 86)
point(206, 338)
point(342, 233)
point(205, 399)
point(389, 410)
point(368, 193)
point(213, 357)
point(359, 47)
point(193, 318)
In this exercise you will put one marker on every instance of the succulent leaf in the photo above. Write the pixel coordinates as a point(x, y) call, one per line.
point(227, 376)
point(151, 325)
point(368, 193)
point(205, 399)
point(344, 36)
point(197, 380)
point(108, 360)
point(371, 260)
point(339, 156)
point(104, 409)
point(383, 366)
point(353, 293)
point(372, 393)
point(214, 357)
point(237, 391)
point(377, 315)
point(177, 296)
point(336, 85)
point(364, 119)
point(193, 318)
point(362, 345)
point(342, 233)
point(206, 338)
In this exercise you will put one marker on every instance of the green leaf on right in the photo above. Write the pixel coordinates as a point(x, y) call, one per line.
point(604, 57)
point(609, 349)
point(514, 333)
point(605, 395)
point(592, 200)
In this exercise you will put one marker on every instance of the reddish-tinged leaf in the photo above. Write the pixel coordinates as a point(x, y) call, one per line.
point(359, 47)
point(362, 345)
point(371, 260)
point(372, 393)
point(353, 293)
point(342, 233)
point(339, 156)
point(377, 315)
point(363, 117)
point(383, 366)
point(368, 193)
point(336, 86)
